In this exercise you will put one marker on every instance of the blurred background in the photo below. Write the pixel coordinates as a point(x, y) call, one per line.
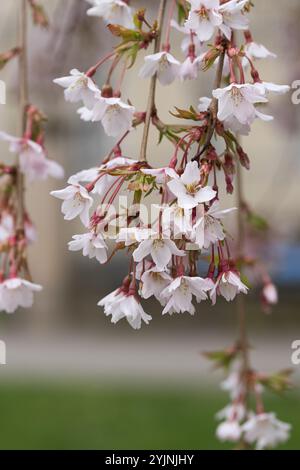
point(73, 380)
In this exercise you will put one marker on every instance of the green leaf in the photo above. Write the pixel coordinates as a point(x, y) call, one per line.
point(278, 382)
point(222, 359)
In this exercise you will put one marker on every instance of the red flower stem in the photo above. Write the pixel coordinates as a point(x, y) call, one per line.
point(168, 32)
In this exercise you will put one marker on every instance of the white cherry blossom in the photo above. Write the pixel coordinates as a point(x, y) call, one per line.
point(274, 88)
point(265, 430)
point(203, 18)
point(21, 145)
point(163, 64)
point(77, 201)
point(120, 305)
point(177, 220)
point(38, 167)
point(204, 104)
point(17, 292)
point(160, 249)
point(190, 68)
point(233, 411)
point(228, 285)
point(32, 158)
point(112, 11)
point(154, 281)
point(237, 101)
point(105, 181)
point(91, 244)
point(85, 114)
point(258, 51)
point(232, 17)
point(270, 294)
point(208, 228)
point(233, 383)
point(187, 188)
point(78, 87)
point(229, 431)
point(179, 294)
point(116, 116)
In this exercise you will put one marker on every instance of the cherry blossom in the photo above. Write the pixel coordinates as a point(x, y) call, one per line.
point(203, 18)
point(77, 201)
point(179, 294)
point(208, 228)
point(112, 11)
point(16, 292)
point(154, 281)
point(190, 68)
point(204, 104)
point(233, 17)
point(21, 145)
point(33, 161)
point(258, 51)
point(103, 180)
point(232, 411)
point(270, 294)
point(229, 431)
point(160, 249)
point(188, 190)
point(265, 430)
point(233, 383)
point(237, 101)
point(91, 244)
point(178, 220)
point(78, 87)
point(120, 305)
point(277, 89)
point(228, 285)
point(163, 64)
point(115, 116)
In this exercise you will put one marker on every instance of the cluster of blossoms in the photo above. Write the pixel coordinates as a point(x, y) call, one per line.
point(16, 229)
point(238, 423)
point(179, 253)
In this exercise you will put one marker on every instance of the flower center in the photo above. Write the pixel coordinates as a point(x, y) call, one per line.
point(163, 62)
point(158, 243)
point(202, 13)
point(80, 83)
point(156, 277)
point(236, 96)
point(79, 198)
point(191, 188)
point(113, 109)
point(184, 287)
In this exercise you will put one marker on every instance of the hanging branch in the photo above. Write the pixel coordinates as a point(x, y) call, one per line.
point(151, 98)
point(23, 103)
point(187, 236)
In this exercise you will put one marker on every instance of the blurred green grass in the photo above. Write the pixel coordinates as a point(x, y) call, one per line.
point(59, 416)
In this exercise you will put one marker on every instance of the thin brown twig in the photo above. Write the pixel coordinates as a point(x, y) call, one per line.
point(23, 101)
point(240, 302)
point(213, 109)
point(151, 98)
